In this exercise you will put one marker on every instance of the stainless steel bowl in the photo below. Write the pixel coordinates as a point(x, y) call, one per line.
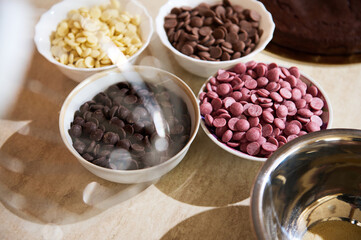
point(314, 178)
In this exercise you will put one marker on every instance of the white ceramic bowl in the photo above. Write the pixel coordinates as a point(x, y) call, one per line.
point(87, 89)
point(206, 68)
point(327, 118)
point(58, 12)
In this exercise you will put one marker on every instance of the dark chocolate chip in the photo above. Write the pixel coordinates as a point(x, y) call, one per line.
point(88, 157)
point(96, 135)
point(104, 127)
point(138, 126)
point(110, 138)
point(99, 115)
point(137, 137)
point(89, 127)
point(104, 153)
point(124, 143)
point(84, 107)
point(130, 99)
point(96, 150)
point(116, 122)
point(137, 147)
point(87, 115)
point(123, 112)
point(75, 130)
point(91, 147)
point(121, 133)
point(129, 130)
point(141, 111)
point(94, 120)
point(178, 129)
point(108, 147)
point(79, 146)
point(99, 97)
point(102, 162)
point(113, 111)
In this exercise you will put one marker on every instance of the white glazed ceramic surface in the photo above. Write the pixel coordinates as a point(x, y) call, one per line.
point(206, 68)
point(87, 89)
point(327, 118)
point(58, 12)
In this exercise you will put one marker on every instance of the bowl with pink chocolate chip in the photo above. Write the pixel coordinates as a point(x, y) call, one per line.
point(254, 108)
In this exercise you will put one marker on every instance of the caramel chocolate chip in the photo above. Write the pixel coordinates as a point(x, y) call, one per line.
point(196, 22)
point(215, 52)
point(187, 49)
point(254, 16)
point(218, 33)
point(205, 31)
point(207, 28)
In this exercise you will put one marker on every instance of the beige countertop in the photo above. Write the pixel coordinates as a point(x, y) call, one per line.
point(46, 194)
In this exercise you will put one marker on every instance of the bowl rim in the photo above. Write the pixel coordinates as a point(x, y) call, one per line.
point(187, 90)
point(259, 183)
point(45, 15)
point(247, 156)
point(260, 47)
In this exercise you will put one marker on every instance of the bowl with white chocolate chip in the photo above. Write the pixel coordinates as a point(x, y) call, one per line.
point(79, 37)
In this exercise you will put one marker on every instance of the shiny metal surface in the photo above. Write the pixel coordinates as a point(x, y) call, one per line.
point(314, 178)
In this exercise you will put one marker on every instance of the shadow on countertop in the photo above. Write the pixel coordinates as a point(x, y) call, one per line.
point(220, 223)
point(210, 176)
point(40, 180)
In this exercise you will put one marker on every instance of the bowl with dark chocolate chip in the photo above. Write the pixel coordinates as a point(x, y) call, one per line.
point(205, 36)
point(131, 126)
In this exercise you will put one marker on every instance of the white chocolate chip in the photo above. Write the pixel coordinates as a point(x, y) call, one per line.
point(76, 39)
point(89, 62)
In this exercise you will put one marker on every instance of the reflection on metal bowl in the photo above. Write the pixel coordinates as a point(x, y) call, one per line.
point(313, 179)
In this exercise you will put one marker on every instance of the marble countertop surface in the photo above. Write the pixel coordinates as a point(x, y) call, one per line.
point(46, 194)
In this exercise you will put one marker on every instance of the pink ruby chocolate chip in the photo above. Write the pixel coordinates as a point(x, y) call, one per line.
point(253, 134)
point(236, 109)
point(256, 108)
point(206, 108)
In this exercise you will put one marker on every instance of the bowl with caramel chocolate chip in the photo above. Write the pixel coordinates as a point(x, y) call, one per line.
point(205, 36)
point(131, 126)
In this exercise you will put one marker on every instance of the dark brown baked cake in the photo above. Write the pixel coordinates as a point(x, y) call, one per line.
point(329, 27)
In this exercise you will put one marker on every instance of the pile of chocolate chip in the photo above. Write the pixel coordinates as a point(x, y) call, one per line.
point(214, 33)
point(116, 129)
point(257, 107)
